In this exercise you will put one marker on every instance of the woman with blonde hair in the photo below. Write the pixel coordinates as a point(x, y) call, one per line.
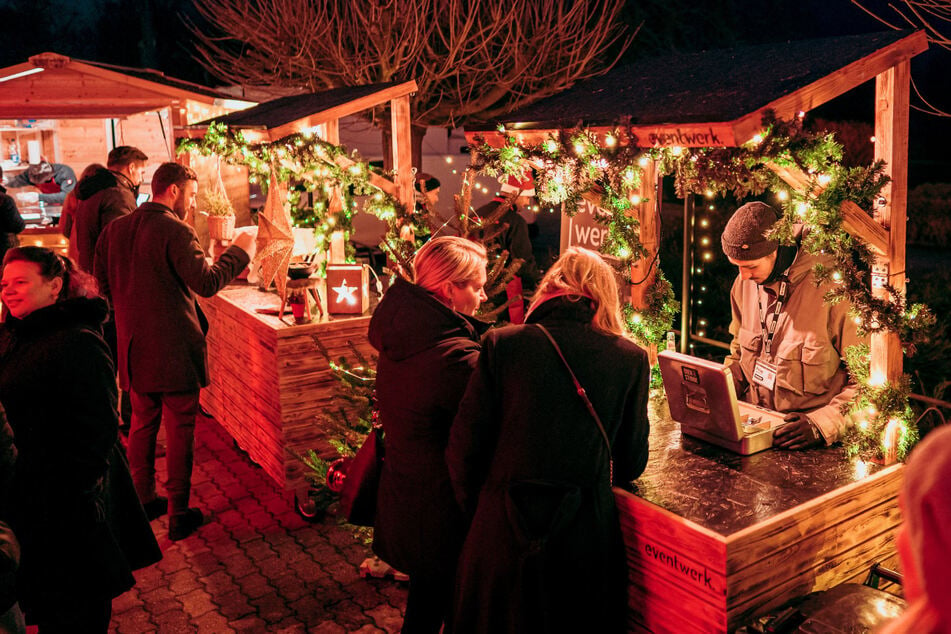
point(531, 460)
point(428, 344)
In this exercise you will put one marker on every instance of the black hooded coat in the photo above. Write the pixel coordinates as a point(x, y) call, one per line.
point(427, 352)
point(65, 443)
point(103, 197)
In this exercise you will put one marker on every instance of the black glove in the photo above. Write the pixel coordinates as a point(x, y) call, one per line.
point(797, 433)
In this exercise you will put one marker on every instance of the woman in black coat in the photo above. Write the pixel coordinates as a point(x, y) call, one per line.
point(58, 387)
point(529, 464)
point(428, 345)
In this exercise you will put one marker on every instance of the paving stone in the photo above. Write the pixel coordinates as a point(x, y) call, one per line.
point(328, 627)
point(255, 585)
point(218, 582)
point(127, 601)
point(234, 605)
point(249, 624)
point(205, 563)
point(240, 565)
point(198, 602)
point(289, 626)
point(213, 622)
point(137, 622)
point(174, 621)
point(271, 607)
point(158, 608)
point(173, 560)
point(386, 617)
point(183, 581)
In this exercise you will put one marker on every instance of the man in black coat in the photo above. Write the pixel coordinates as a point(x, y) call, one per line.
point(11, 222)
point(105, 196)
point(151, 265)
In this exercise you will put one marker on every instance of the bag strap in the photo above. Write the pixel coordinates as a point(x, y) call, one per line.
point(584, 397)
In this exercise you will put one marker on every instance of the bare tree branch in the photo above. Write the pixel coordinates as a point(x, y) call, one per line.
point(472, 59)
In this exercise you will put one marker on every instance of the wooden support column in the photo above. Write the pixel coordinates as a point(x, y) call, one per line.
point(644, 270)
point(402, 150)
point(891, 145)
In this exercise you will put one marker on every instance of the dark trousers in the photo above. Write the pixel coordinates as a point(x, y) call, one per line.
point(427, 603)
point(110, 336)
point(178, 409)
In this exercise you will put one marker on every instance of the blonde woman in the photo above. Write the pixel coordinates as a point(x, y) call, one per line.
point(530, 464)
point(428, 344)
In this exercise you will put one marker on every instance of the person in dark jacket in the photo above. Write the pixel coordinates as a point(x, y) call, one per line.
point(529, 464)
point(107, 195)
point(11, 222)
point(71, 566)
point(428, 344)
point(66, 225)
point(150, 265)
point(54, 180)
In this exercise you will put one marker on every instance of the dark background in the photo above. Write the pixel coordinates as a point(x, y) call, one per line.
point(152, 33)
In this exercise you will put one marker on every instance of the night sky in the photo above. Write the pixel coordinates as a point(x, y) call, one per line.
point(111, 31)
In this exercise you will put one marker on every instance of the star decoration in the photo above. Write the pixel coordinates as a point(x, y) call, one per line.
point(345, 293)
point(275, 238)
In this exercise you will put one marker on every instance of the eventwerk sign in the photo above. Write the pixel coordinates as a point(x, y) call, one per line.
point(583, 229)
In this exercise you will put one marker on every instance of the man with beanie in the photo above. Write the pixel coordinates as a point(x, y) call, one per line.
point(788, 343)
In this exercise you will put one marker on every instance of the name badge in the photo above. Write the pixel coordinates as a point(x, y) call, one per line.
point(764, 374)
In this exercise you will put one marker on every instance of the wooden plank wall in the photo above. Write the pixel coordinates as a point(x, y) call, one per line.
point(81, 142)
point(269, 383)
point(684, 578)
point(828, 541)
point(676, 570)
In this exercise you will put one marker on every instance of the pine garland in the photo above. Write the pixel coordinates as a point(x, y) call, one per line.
point(311, 164)
point(572, 164)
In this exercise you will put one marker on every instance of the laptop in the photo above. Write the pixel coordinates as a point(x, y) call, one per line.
point(703, 400)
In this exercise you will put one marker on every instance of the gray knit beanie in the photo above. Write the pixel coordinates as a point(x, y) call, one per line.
point(744, 237)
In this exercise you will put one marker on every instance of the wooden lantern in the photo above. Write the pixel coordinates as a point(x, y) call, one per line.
point(348, 289)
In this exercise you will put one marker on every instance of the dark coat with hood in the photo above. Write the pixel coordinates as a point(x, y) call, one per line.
point(64, 444)
point(103, 197)
point(427, 352)
point(527, 461)
point(151, 266)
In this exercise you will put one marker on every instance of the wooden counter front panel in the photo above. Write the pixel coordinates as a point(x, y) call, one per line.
point(269, 382)
point(685, 578)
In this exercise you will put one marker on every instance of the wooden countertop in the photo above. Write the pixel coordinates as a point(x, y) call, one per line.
point(725, 492)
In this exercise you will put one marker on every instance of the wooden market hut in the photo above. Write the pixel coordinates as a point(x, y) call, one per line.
point(709, 543)
point(75, 111)
point(269, 384)
point(79, 110)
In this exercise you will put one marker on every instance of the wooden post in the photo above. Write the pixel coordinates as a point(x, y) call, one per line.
point(891, 145)
point(402, 149)
point(644, 270)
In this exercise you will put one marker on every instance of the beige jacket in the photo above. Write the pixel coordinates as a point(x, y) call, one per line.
point(808, 348)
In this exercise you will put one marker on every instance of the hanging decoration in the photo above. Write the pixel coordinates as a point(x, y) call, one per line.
point(578, 163)
point(275, 242)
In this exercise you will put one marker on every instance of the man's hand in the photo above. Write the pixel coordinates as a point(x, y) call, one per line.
point(245, 238)
point(797, 433)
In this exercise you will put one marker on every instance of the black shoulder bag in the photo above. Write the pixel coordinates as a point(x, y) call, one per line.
point(587, 402)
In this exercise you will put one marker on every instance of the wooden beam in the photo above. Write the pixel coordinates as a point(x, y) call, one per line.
point(832, 85)
point(859, 224)
point(401, 135)
point(854, 219)
point(892, 102)
point(377, 98)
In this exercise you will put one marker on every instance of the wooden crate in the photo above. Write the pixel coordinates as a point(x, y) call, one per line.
point(269, 383)
point(690, 570)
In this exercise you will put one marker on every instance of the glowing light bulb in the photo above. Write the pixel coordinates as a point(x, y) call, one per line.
point(802, 209)
point(704, 222)
point(643, 161)
point(824, 179)
point(610, 141)
point(783, 195)
point(708, 193)
point(876, 378)
point(449, 159)
point(635, 199)
point(837, 277)
point(636, 318)
point(676, 150)
point(704, 241)
point(757, 139)
point(579, 148)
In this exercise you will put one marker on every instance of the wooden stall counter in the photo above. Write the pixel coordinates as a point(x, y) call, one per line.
point(713, 538)
point(269, 382)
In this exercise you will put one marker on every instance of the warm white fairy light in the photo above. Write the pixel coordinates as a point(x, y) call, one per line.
point(802, 208)
point(782, 195)
point(676, 150)
point(824, 179)
point(609, 140)
point(643, 161)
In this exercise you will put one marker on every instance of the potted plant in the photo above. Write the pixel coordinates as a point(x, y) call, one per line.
point(220, 214)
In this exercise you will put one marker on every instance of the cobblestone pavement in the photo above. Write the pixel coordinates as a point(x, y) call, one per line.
point(255, 566)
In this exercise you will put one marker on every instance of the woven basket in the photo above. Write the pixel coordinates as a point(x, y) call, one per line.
point(221, 227)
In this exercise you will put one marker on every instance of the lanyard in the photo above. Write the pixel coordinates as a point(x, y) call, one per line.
point(768, 322)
